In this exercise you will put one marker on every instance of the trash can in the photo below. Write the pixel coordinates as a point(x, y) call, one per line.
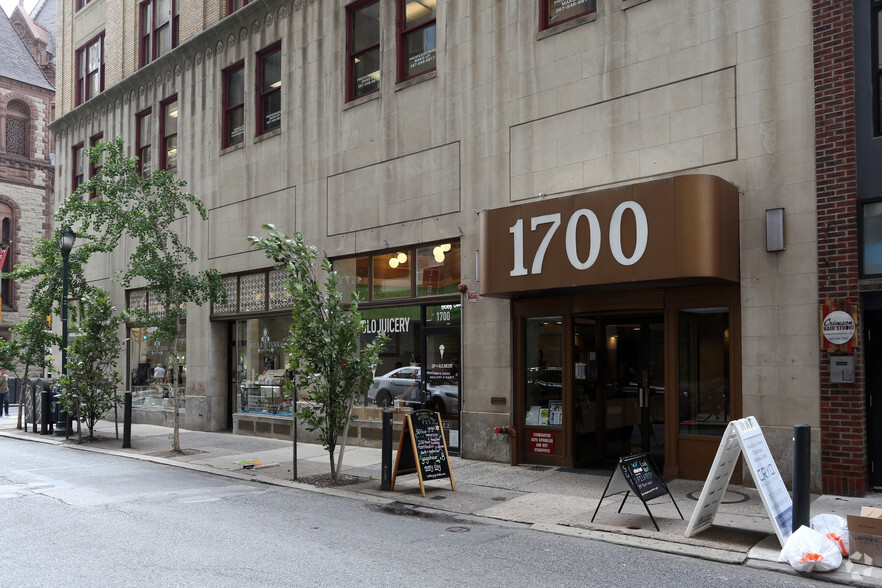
point(14, 390)
point(54, 406)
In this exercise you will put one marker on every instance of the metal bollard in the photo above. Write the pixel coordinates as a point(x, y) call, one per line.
point(33, 406)
point(802, 444)
point(127, 419)
point(44, 411)
point(386, 475)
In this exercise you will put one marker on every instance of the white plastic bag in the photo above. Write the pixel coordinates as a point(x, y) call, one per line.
point(809, 551)
point(834, 528)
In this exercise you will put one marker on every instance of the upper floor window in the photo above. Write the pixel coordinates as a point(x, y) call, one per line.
point(159, 28)
point(877, 65)
point(234, 5)
point(82, 3)
point(16, 135)
point(7, 239)
point(95, 166)
point(362, 48)
point(90, 69)
point(269, 85)
point(143, 121)
point(78, 161)
point(416, 37)
point(168, 131)
point(234, 104)
point(555, 12)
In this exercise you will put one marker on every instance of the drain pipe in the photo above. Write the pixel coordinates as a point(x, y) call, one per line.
point(512, 435)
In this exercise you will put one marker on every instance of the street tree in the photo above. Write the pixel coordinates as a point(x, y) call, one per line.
point(323, 343)
point(150, 209)
point(89, 387)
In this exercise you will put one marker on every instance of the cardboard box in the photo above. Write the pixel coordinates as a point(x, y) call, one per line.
point(865, 537)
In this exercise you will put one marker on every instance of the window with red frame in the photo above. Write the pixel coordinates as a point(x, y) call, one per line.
point(234, 5)
point(234, 105)
point(82, 3)
point(143, 121)
point(362, 48)
point(168, 131)
point(95, 166)
point(90, 69)
point(269, 89)
point(555, 12)
point(159, 28)
point(416, 37)
point(79, 166)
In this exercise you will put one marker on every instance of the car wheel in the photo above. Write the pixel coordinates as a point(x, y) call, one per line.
point(384, 399)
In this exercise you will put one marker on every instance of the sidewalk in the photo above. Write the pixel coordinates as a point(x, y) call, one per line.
point(549, 499)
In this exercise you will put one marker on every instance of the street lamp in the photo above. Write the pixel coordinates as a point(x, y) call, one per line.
point(67, 242)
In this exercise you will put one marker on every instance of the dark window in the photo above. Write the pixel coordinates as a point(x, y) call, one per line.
point(81, 3)
point(416, 37)
point(159, 28)
point(95, 166)
point(876, 24)
point(555, 12)
point(234, 104)
point(16, 135)
point(362, 48)
point(90, 69)
point(234, 5)
point(6, 238)
point(79, 166)
point(168, 131)
point(142, 137)
point(269, 89)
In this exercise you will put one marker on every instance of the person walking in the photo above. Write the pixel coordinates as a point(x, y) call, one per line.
point(4, 392)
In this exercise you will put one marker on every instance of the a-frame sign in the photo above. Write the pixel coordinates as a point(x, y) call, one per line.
point(744, 437)
point(422, 449)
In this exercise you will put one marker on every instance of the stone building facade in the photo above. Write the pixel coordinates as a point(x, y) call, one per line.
point(559, 210)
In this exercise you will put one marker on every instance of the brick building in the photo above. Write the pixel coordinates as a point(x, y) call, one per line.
point(558, 211)
point(27, 102)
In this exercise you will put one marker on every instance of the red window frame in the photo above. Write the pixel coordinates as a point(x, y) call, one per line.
point(263, 94)
point(94, 167)
point(352, 54)
point(229, 108)
point(166, 135)
point(83, 75)
point(78, 167)
point(81, 4)
point(234, 5)
point(545, 13)
point(150, 33)
point(402, 34)
point(143, 143)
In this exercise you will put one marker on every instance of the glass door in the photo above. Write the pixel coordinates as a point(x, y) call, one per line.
point(441, 379)
point(633, 388)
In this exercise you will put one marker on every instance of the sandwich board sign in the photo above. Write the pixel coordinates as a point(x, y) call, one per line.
point(744, 437)
point(638, 474)
point(422, 449)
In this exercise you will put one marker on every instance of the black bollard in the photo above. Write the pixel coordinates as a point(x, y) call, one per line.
point(386, 475)
point(44, 411)
point(33, 406)
point(127, 420)
point(802, 444)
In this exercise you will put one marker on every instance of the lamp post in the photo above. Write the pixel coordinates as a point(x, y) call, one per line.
point(67, 242)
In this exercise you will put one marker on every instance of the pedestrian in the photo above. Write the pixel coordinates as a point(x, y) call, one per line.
point(4, 392)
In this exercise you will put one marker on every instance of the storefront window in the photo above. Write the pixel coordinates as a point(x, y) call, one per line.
point(150, 379)
point(543, 371)
point(703, 351)
point(354, 275)
point(392, 275)
point(438, 269)
point(261, 366)
point(403, 327)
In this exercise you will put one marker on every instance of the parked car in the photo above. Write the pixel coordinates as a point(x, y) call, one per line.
point(442, 398)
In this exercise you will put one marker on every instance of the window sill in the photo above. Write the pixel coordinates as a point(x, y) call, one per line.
point(231, 148)
point(429, 75)
point(266, 135)
point(570, 24)
point(359, 101)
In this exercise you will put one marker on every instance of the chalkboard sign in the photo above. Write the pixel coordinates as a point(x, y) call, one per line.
point(638, 474)
point(422, 449)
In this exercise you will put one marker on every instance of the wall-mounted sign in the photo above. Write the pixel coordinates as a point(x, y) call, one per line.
point(542, 442)
point(838, 326)
point(683, 228)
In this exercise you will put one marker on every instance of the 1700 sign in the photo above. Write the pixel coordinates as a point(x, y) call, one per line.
point(575, 232)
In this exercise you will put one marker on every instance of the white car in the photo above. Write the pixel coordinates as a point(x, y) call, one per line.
point(406, 380)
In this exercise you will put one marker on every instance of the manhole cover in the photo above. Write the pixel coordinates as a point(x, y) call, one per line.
point(439, 497)
point(499, 498)
point(458, 529)
point(731, 497)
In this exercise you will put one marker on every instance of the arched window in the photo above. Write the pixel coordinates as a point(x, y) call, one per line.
point(17, 128)
point(7, 236)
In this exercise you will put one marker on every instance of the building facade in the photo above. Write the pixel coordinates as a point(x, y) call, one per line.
point(568, 216)
point(27, 104)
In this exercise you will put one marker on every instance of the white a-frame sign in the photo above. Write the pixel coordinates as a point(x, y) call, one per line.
point(744, 436)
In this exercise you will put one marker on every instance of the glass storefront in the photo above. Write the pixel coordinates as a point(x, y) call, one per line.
point(260, 365)
point(150, 361)
point(703, 341)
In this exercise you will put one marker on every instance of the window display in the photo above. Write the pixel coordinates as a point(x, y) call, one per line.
point(151, 378)
point(543, 371)
point(262, 366)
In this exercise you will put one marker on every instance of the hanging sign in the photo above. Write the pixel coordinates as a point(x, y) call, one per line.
point(638, 474)
point(838, 326)
point(422, 449)
point(744, 437)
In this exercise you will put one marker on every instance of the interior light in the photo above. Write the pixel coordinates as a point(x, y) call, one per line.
point(439, 257)
point(393, 263)
point(402, 258)
point(173, 113)
point(445, 247)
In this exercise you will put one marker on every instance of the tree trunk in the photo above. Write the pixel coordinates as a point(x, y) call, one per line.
point(345, 434)
point(21, 395)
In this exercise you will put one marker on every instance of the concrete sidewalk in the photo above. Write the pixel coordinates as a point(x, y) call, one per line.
point(549, 499)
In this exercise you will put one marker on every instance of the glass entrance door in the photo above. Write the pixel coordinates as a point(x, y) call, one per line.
point(441, 380)
point(633, 388)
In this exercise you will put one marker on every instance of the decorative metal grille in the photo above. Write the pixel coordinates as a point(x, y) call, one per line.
point(138, 300)
point(15, 135)
point(230, 285)
point(155, 306)
point(253, 292)
point(279, 297)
